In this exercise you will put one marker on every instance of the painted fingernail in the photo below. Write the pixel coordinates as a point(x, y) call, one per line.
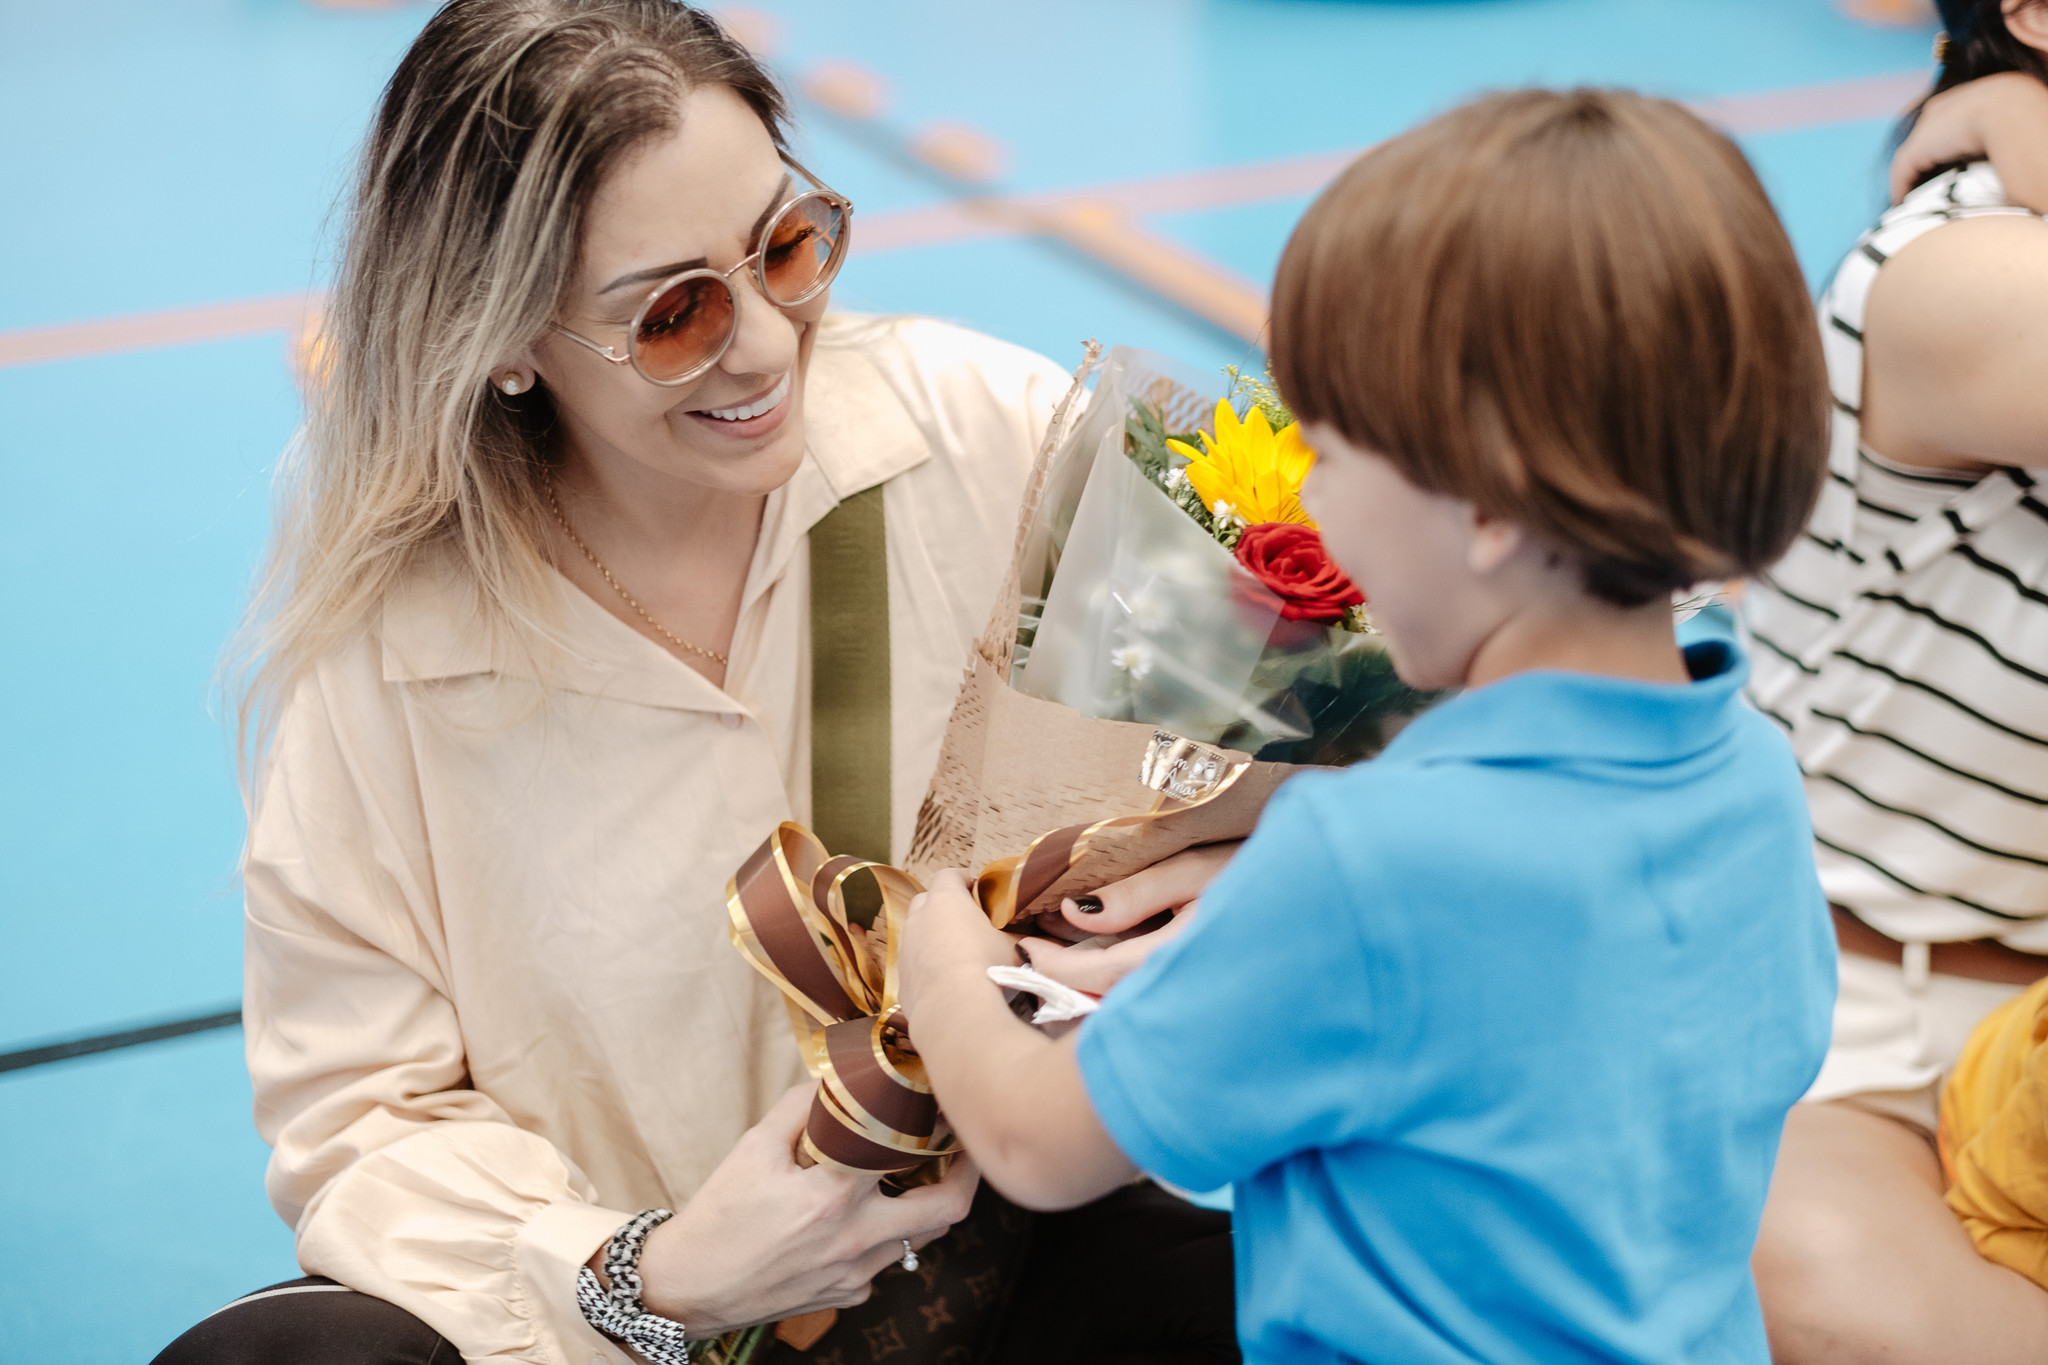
point(1088, 905)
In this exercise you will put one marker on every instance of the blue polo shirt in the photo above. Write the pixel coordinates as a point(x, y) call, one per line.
point(1496, 1033)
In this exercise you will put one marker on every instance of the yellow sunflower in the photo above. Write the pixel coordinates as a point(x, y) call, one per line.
point(1248, 470)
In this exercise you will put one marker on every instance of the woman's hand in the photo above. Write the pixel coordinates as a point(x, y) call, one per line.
point(764, 1239)
point(1170, 885)
point(2002, 117)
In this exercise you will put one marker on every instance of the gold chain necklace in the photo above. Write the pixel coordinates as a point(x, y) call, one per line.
point(659, 629)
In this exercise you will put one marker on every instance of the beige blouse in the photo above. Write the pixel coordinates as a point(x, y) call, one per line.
point(491, 1006)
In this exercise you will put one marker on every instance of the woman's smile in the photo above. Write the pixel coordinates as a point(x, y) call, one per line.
point(751, 418)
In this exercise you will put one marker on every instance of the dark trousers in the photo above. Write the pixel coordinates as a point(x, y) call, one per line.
point(1137, 1278)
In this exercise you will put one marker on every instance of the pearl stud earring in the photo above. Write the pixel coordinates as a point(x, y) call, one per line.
point(512, 383)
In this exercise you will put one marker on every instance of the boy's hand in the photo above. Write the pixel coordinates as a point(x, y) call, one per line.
point(1016, 1099)
point(2002, 117)
point(947, 933)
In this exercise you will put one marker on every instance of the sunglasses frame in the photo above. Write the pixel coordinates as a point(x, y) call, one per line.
point(757, 259)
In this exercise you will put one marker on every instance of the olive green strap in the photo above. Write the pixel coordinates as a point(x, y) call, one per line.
point(850, 784)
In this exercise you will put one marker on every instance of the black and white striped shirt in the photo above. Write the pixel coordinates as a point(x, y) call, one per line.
point(1903, 645)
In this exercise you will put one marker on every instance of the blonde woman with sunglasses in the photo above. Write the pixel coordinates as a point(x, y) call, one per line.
point(532, 672)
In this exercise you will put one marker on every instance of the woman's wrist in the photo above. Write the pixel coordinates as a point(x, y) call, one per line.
point(612, 1297)
point(668, 1275)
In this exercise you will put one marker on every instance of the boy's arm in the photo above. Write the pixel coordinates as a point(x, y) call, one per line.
point(1015, 1097)
point(2003, 118)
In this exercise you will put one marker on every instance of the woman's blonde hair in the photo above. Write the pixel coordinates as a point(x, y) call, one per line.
point(462, 238)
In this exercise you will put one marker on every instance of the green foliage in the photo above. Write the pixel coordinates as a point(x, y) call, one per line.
point(1352, 702)
point(1145, 438)
point(1262, 394)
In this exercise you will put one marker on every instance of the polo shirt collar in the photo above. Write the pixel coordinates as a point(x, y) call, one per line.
point(1555, 716)
point(858, 433)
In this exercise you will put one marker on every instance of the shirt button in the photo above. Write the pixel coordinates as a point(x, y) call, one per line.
point(732, 721)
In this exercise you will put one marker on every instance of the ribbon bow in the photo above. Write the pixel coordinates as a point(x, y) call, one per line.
point(874, 1110)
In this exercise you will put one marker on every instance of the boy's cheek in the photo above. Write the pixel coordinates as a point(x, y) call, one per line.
point(1335, 506)
point(1317, 493)
point(1350, 547)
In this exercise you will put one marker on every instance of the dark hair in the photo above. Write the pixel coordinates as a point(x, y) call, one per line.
point(1980, 45)
point(1977, 44)
point(1579, 312)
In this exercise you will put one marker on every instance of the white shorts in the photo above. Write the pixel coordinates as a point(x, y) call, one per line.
point(1895, 1040)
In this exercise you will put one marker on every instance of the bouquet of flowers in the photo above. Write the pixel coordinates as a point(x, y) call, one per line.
point(1170, 645)
point(1180, 583)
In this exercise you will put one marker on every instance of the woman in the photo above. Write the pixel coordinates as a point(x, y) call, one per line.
point(1904, 643)
point(536, 652)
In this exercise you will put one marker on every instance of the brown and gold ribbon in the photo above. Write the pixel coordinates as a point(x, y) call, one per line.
point(1184, 772)
point(874, 1109)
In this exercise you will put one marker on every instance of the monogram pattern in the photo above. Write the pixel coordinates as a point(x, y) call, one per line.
point(949, 1311)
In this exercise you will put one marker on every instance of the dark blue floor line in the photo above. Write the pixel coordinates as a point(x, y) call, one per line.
point(107, 1042)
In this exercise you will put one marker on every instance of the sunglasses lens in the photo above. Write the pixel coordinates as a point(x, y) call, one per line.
point(803, 249)
point(686, 326)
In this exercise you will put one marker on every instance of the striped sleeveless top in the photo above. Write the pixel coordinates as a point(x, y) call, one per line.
point(1902, 643)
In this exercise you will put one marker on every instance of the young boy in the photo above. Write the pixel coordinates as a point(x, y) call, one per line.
point(1495, 1034)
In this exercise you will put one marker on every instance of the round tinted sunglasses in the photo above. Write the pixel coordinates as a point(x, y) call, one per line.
point(690, 318)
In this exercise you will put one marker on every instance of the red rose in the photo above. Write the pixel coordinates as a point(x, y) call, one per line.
point(1290, 559)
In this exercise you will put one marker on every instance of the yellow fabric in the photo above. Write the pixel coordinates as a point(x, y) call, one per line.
point(1994, 1135)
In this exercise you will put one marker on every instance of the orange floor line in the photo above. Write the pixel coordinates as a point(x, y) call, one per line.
point(141, 331)
point(1100, 221)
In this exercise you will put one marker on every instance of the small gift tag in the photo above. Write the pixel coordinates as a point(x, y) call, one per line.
point(803, 1331)
point(1057, 1004)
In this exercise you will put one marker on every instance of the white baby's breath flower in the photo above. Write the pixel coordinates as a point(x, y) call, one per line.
point(1176, 479)
point(1135, 660)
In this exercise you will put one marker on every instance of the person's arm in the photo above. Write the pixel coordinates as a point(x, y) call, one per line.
point(1255, 1034)
point(2001, 118)
point(405, 1181)
point(1955, 347)
point(1014, 1096)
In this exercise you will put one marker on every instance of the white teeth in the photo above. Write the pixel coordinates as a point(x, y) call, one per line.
point(767, 403)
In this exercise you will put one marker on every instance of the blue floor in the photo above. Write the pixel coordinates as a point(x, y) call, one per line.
point(175, 154)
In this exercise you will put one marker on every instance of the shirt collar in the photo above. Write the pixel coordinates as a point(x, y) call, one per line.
point(859, 432)
point(1546, 716)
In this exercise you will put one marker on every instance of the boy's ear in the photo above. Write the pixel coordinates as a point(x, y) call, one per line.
point(2027, 20)
point(1495, 540)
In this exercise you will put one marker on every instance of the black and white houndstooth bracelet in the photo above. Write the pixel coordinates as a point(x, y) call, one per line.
point(616, 1312)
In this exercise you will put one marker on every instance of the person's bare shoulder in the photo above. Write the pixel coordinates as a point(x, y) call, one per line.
point(1956, 347)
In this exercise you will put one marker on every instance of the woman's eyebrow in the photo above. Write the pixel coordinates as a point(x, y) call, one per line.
point(662, 272)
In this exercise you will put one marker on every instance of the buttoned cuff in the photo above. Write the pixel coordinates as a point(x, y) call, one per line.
point(556, 1243)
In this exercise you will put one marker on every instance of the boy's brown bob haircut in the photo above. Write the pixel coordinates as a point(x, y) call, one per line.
point(1578, 312)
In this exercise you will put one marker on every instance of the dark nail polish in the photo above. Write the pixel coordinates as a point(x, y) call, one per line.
point(1088, 905)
